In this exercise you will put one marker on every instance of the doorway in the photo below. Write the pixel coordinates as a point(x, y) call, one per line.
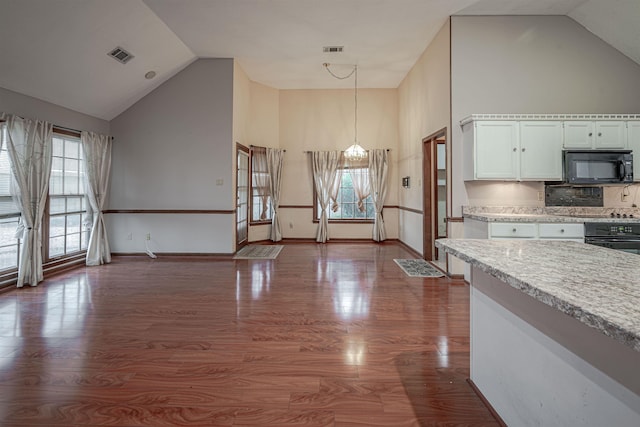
point(434, 170)
point(242, 196)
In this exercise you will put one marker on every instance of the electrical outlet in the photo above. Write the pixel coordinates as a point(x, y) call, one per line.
point(291, 225)
point(540, 196)
point(130, 236)
point(148, 236)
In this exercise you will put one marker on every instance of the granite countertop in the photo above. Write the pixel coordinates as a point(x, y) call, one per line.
point(600, 287)
point(511, 217)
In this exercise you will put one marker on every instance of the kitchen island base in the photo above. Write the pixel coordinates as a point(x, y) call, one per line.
point(540, 367)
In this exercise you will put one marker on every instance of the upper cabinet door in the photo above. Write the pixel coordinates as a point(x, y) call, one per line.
point(611, 134)
point(633, 141)
point(578, 134)
point(496, 150)
point(541, 150)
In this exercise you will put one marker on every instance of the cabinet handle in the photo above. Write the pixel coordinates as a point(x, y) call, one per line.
point(515, 149)
point(523, 150)
point(562, 230)
point(514, 230)
point(590, 133)
point(599, 133)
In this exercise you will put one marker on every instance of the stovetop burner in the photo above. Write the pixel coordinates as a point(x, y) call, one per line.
point(619, 215)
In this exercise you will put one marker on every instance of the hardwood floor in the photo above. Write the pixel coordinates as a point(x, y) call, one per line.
point(325, 335)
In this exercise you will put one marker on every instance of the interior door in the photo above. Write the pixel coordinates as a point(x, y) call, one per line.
point(434, 196)
point(242, 196)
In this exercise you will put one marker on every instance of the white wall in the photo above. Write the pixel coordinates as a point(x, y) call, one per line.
point(530, 64)
point(170, 149)
point(312, 120)
point(27, 106)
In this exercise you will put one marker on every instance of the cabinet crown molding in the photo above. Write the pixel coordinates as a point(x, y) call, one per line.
point(600, 117)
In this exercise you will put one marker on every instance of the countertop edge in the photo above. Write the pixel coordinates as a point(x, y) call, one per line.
point(587, 318)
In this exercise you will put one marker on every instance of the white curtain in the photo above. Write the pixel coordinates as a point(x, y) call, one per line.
point(259, 169)
point(327, 172)
point(97, 162)
point(359, 172)
point(378, 168)
point(29, 144)
point(274, 166)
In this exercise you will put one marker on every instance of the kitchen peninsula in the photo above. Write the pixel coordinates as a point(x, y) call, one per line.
point(555, 330)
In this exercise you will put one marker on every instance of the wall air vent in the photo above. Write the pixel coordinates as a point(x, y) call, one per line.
point(333, 49)
point(120, 55)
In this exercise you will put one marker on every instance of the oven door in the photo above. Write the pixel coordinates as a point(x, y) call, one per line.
point(631, 245)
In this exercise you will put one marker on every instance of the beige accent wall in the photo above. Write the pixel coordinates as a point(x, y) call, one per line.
point(319, 120)
point(528, 65)
point(424, 108)
point(255, 122)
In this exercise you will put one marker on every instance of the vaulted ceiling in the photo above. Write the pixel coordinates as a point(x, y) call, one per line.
point(57, 50)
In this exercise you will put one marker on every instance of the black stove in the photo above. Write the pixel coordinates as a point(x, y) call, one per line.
point(623, 236)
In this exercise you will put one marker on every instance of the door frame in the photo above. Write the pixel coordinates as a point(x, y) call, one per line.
point(430, 190)
point(241, 148)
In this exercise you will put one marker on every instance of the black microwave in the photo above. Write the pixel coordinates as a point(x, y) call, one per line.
point(598, 166)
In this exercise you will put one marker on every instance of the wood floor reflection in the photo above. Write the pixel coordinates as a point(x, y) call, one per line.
point(325, 335)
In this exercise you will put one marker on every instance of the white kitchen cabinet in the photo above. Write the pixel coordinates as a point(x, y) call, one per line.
point(633, 142)
point(561, 231)
point(512, 230)
point(541, 150)
point(477, 229)
point(495, 150)
point(588, 134)
point(513, 150)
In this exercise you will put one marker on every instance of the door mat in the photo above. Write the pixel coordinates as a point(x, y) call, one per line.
point(259, 252)
point(418, 268)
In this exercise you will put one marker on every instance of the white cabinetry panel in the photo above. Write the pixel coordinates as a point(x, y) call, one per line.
point(541, 151)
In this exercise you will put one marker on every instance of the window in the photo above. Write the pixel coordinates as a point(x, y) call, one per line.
point(261, 209)
point(347, 200)
point(67, 203)
point(9, 213)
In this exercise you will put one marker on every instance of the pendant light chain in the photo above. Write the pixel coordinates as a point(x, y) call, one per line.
point(354, 151)
point(355, 114)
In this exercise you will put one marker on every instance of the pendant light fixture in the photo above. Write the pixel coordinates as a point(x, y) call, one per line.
point(354, 152)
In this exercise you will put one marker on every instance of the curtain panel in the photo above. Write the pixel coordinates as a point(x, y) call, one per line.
point(359, 172)
point(97, 158)
point(378, 171)
point(261, 179)
point(29, 144)
point(327, 172)
point(275, 158)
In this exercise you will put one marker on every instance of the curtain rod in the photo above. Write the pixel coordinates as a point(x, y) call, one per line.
point(257, 146)
point(387, 149)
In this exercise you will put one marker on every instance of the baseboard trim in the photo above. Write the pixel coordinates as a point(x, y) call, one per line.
point(486, 403)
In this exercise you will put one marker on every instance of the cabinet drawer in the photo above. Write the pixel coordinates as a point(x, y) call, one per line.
point(562, 231)
point(512, 230)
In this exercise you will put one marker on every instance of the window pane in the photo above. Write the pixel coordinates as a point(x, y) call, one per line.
point(73, 223)
point(84, 238)
point(73, 242)
point(8, 243)
point(56, 205)
point(55, 181)
point(58, 147)
point(56, 246)
point(71, 168)
point(56, 226)
point(71, 149)
point(74, 204)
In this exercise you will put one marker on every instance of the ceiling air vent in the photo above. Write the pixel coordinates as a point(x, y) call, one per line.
point(120, 55)
point(333, 49)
